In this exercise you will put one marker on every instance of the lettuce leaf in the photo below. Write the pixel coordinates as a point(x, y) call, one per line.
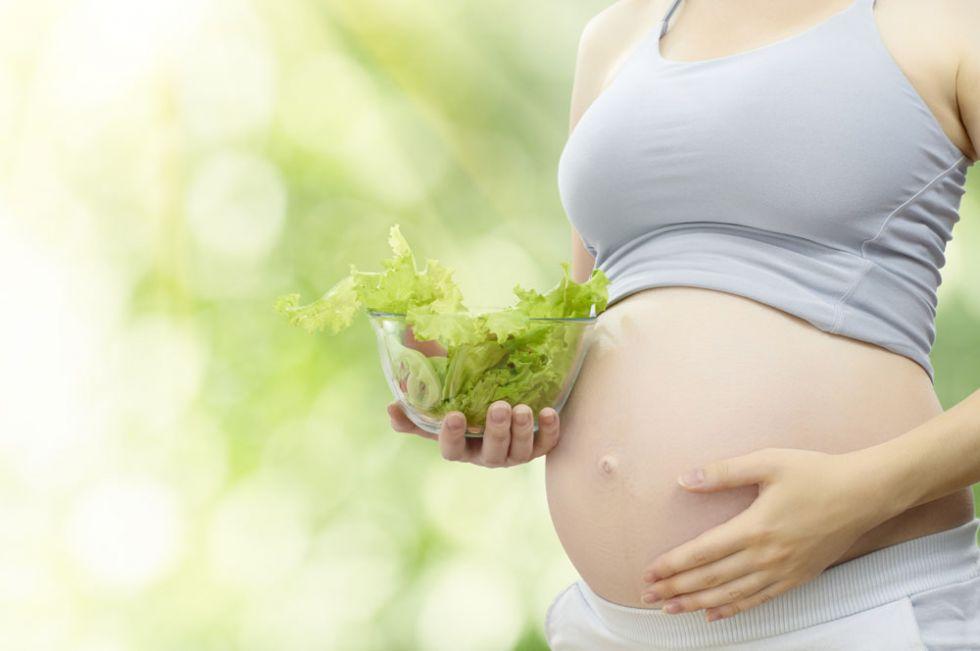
point(399, 287)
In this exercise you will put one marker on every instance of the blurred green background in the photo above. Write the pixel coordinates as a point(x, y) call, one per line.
point(179, 469)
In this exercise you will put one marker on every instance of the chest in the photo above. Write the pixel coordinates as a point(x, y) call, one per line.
point(819, 136)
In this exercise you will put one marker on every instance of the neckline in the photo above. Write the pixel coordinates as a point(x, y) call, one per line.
point(659, 34)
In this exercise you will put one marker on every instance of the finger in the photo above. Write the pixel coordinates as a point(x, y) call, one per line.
point(521, 435)
point(717, 542)
point(452, 437)
point(547, 438)
point(496, 435)
point(704, 577)
point(759, 598)
point(400, 422)
point(753, 468)
point(727, 593)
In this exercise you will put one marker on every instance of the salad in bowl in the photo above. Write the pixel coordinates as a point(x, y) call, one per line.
point(439, 356)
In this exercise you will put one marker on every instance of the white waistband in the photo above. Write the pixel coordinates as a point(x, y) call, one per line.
point(864, 582)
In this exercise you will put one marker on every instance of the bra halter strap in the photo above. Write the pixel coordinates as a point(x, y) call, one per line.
point(666, 18)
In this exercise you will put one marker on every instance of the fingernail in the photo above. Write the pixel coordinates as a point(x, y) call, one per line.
point(651, 599)
point(499, 413)
point(455, 422)
point(672, 607)
point(713, 616)
point(692, 477)
point(521, 417)
point(548, 417)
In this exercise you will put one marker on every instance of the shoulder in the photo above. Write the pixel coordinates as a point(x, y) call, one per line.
point(617, 20)
point(964, 14)
point(606, 33)
point(955, 22)
point(606, 37)
point(961, 20)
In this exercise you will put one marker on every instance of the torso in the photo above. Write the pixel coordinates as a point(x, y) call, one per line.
point(679, 376)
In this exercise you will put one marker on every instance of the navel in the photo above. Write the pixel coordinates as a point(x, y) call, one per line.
point(608, 464)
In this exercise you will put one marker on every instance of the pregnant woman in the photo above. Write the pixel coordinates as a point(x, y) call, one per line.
point(770, 186)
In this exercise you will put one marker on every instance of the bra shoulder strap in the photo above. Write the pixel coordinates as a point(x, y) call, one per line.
point(666, 18)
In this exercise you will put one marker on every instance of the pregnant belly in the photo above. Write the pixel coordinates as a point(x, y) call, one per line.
point(679, 376)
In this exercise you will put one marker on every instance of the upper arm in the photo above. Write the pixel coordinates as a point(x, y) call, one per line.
point(604, 44)
point(582, 261)
point(602, 47)
point(968, 72)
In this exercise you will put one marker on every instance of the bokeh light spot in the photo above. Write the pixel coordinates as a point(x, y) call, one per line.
point(126, 532)
point(236, 205)
point(469, 605)
point(259, 532)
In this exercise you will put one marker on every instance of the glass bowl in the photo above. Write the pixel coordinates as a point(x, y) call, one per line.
point(537, 368)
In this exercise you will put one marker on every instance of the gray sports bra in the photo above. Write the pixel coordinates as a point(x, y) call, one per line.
point(807, 174)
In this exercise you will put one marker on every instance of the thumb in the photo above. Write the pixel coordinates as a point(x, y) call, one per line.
point(752, 468)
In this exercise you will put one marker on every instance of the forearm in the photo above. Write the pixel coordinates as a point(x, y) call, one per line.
point(932, 460)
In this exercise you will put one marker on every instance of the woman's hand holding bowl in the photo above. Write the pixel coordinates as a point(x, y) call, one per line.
point(508, 439)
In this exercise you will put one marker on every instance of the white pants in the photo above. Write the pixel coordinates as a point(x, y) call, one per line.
point(922, 593)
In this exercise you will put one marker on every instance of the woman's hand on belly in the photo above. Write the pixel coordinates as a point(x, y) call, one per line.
point(812, 507)
point(508, 437)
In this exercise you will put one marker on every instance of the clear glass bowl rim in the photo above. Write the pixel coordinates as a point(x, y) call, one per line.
point(569, 319)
